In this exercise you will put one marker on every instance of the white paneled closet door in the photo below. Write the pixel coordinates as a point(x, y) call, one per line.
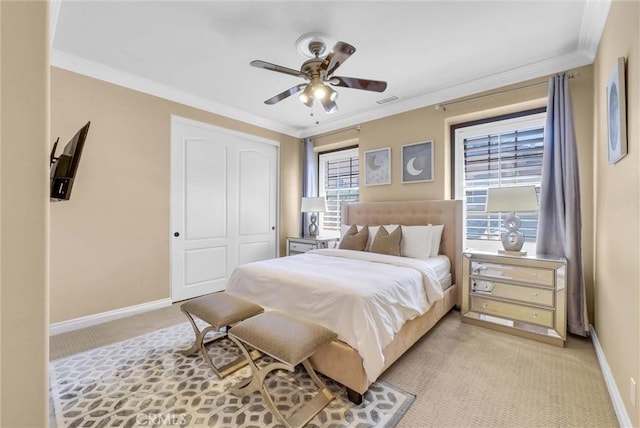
point(223, 205)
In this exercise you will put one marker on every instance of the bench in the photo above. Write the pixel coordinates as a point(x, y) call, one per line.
point(290, 341)
point(219, 310)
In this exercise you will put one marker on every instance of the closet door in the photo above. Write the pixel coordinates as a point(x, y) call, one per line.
point(223, 205)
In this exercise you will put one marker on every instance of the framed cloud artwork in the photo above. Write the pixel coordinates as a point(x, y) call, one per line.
point(616, 113)
point(377, 167)
point(417, 162)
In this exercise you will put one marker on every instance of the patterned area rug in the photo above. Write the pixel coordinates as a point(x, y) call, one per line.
point(145, 381)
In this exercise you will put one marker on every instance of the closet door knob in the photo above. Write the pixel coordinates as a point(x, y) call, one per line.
point(176, 234)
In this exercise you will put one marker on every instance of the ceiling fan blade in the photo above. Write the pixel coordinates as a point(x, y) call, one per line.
point(355, 83)
point(329, 105)
point(340, 52)
point(280, 69)
point(281, 96)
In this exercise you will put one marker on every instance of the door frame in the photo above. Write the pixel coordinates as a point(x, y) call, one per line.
point(190, 122)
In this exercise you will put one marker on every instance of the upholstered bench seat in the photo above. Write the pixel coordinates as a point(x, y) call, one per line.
point(219, 310)
point(290, 341)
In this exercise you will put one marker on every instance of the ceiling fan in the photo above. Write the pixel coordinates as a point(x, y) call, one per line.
point(318, 71)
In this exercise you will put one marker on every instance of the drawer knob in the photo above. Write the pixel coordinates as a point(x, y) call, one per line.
point(535, 315)
point(534, 294)
point(484, 305)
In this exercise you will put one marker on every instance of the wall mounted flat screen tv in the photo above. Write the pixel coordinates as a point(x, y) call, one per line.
point(65, 166)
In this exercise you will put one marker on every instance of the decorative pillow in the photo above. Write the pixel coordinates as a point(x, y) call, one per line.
point(436, 237)
point(416, 241)
point(344, 228)
point(387, 243)
point(354, 240)
point(373, 231)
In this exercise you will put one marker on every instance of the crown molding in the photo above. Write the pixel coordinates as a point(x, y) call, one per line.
point(593, 22)
point(594, 19)
point(108, 74)
point(462, 89)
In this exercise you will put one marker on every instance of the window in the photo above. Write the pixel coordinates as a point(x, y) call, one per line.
point(504, 151)
point(338, 174)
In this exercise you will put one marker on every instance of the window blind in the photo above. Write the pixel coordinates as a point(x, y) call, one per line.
point(339, 184)
point(494, 160)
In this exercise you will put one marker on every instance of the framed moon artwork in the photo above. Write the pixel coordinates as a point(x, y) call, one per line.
point(377, 167)
point(417, 162)
point(617, 113)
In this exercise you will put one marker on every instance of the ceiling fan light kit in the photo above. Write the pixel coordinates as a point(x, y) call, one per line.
point(318, 71)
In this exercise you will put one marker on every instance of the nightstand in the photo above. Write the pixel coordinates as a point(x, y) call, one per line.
point(308, 243)
point(522, 295)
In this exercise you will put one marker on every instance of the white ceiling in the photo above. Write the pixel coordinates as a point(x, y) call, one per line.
point(198, 53)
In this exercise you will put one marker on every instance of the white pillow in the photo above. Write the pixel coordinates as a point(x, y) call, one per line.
point(343, 229)
point(373, 230)
point(416, 241)
point(436, 237)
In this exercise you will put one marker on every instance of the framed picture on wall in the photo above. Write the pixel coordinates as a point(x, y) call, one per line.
point(377, 167)
point(417, 162)
point(617, 113)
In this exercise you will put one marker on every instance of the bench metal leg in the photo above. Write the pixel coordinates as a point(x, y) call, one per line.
point(200, 345)
point(300, 417)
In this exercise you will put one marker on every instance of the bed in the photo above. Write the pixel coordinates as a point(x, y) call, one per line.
point(381, 341)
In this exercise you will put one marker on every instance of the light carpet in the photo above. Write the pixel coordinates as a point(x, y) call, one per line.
point(145, 381)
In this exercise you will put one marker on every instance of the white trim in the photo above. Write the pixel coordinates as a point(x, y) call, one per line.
point(210, 127)
point(614, 393)
point(88, 321)
point(105, 73)
point(93, 69)
point(594, 19)
point(456, 90)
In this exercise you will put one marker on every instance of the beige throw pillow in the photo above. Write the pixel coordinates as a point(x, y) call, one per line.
point(354, 240)
point(387, 243)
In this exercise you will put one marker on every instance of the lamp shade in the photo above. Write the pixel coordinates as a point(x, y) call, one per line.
point(511, 199)
point(313, 205)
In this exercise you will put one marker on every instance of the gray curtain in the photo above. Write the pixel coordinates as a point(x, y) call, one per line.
point(559, 222)
point(309, 179)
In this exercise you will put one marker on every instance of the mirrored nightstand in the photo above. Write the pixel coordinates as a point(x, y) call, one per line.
point(522, 295)
point(296, 245)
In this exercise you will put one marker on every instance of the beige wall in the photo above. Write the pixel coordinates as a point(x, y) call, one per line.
point(431, 124)
point(110, 241)
point(617, 204)
point(24, 140)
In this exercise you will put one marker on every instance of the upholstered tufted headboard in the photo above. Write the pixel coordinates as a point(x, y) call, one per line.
point(448, 213)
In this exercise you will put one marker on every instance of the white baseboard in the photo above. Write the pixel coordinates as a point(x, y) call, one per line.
point(614, 393)
point(88, 321)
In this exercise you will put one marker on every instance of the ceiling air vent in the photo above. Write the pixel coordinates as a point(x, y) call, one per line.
point(388, 99)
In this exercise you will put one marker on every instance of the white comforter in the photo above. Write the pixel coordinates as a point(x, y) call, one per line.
point(364, 297)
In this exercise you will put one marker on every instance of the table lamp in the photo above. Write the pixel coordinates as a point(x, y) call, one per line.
point(313, 205)
point(512, 199)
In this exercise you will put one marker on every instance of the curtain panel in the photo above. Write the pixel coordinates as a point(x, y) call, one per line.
point(560, 218)
point(309, 180)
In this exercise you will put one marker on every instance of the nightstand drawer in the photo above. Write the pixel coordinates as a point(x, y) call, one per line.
point(300, 247)
point(537, 296)
point(512, 311)
point(527, 274)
